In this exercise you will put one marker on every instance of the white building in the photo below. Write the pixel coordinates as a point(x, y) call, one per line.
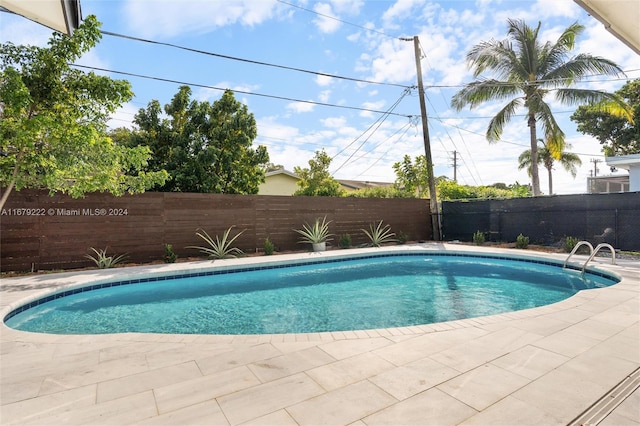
point(630, 163)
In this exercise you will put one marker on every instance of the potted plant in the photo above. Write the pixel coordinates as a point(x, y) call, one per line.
point(317, 234)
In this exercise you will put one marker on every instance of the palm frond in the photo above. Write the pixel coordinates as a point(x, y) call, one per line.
point(610, 103)
point(477, 92)
point(496, 56)
point(497, 123)
point(580, 66)
point(554, 55)
point(549, 125)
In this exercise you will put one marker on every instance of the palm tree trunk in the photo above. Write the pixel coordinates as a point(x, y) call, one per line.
point(550, 181)
point(535, 179)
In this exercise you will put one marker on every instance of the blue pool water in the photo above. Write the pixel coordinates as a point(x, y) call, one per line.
point(356, 294)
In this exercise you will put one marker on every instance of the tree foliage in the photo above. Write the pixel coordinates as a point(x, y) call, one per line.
point(205, 147)
point(316, 179)
point(451, 190)
point(568, 160)
point(617, 135)
point(412, 176)
point(527, 71)
point(53, 121)
point(381, 192)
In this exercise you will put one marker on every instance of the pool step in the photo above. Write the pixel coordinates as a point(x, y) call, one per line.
point(605, 405)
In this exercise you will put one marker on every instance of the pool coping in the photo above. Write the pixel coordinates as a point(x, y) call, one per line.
point(614, 310)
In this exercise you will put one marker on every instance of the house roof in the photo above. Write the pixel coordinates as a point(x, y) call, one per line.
point(620, 17)
point(351, 184)
point(60, 15)
point(623, 161)
point(282, 172)
point(358, 184)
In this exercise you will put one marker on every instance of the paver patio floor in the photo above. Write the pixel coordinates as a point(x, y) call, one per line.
point(539, 366)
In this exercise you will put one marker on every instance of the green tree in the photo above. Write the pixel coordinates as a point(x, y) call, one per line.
point(316, 180)
point(205, 147)
point(381, 192)
point(451, 190)
point(412, 176)
point(568, 160)
point(527, 71)
point(53, 132)
point(617, 135)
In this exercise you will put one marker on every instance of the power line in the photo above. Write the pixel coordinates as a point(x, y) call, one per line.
point(250, 61)
point(379, 122)
point(167, 80)
point(336, 19)
point(406, 129)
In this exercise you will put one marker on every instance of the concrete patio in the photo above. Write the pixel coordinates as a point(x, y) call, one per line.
point(541, 366)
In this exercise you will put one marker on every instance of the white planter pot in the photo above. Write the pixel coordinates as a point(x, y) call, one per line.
point(319, 246)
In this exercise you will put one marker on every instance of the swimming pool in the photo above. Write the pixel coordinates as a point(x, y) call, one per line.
point(337, 294)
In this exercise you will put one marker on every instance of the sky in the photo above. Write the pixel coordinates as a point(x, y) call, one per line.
point(340, 75)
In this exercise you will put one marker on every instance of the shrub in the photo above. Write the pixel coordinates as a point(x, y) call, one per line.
point(402, 237)
point(478, 238)
point(169, 255)
point(220, 248)
point(103, 261)
point(268, 247)
point(570, 243)
point(344, 241)
point(522, 242)
point(379, 234)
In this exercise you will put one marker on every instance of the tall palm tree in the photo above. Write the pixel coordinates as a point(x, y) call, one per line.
point(568, 160)
point(526, 71)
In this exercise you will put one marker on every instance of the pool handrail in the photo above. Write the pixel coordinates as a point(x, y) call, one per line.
point(575, 249)
point(595, 251)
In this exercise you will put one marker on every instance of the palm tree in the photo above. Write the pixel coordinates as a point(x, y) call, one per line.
point(526, 72)
point(568, 160)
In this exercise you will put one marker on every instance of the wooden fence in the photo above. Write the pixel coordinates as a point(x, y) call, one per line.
point(40, 232)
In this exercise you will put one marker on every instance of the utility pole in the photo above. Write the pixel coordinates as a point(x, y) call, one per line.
point(455, 166)
point(433, 202)
point(595, 162)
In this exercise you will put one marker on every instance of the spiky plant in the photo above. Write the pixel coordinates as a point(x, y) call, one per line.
point(104, 261)
point(379, 234)
point(220, 248)
point(316, 233)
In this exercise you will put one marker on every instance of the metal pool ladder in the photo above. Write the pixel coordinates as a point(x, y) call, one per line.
point(592, 253)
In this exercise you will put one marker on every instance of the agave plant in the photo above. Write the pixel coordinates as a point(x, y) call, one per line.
point(218, 248)
point(103, 261)
point(316, 233)
point(379, 234)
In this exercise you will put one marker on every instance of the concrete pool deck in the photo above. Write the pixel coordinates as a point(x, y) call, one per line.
point(545, 365)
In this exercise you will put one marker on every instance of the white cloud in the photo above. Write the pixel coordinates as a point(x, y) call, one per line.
point(377, 105)
point(394, 62)
point(334, 122)
point(324, 80)
point(19, 30)
point(123, 117)
point(324, 20)
point(401, 9)
point(553, 8)
point(350, 7)
point(324, 96)
point(169, 18)
point(300, 107)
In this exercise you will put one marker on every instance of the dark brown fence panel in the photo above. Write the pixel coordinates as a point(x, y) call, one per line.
point(611, 218)
point(42, 232)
